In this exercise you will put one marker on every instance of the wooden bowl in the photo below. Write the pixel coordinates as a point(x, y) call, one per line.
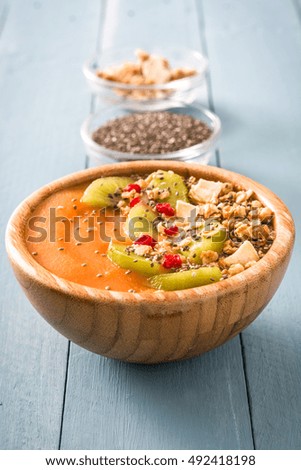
point(153, 326)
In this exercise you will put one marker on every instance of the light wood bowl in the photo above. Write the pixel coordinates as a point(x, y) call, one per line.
point(153, 326)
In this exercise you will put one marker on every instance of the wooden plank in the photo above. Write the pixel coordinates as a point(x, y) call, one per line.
point(112, 405)
point(43, 99)
point(150, 25)
point(196, 404)
point(254, 50)
point(297, 5)
point(3, 15)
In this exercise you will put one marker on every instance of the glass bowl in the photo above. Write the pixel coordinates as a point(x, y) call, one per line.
point(131, 96)
point(202, 151)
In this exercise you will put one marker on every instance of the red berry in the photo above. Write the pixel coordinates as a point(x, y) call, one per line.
point(173, 230)
point(132, 186)
point(135, 201)
point(165, 208)
point(145, 240)
point(172, 261)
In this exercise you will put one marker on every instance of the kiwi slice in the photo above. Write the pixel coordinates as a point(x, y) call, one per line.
point(186, 279)
point(105, 192)
point(214, 242)
point(140, 220)
point(118, 254)
point(171, 181)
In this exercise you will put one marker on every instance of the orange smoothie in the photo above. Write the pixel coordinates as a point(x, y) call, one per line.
point(75, 240)
point(159, 232)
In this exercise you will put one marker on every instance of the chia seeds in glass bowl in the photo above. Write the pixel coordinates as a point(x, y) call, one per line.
point(183, 132)
point(152, 133)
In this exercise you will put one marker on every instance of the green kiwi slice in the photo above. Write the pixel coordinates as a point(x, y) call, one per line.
point(140, 220)
point(105, 192)
point(171, 181)
point(118, 254)
point(186, 279)
point(213, 242)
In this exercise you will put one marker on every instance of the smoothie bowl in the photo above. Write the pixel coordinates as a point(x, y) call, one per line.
point(150, 261)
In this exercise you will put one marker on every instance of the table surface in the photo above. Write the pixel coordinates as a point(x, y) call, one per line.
point(243, 395)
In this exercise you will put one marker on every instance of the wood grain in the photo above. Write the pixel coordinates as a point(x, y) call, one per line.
point(84, 409)
point(113, 405)
point(77, 411)
point(96, 389)
point(254, 52)
point(43, 99)
point(140, 334)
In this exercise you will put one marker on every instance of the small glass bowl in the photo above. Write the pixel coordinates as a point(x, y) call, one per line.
point(185, 90)
point(202, 151)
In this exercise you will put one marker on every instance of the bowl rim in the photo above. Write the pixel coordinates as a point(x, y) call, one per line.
point(194, 80)
point(200, 148)
point(20, 256)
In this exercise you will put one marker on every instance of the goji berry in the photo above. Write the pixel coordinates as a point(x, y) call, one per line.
point(135, 201)
point(145, 240)
point(132, 186)
point(173, 230)
point(172, 261)
point(165, 208)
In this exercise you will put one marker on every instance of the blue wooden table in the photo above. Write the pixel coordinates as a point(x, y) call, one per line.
point(243, 395)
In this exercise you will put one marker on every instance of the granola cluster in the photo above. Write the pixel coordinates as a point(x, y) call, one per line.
point(238, 227)
point(149, 69)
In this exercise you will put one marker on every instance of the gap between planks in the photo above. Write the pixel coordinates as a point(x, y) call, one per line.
point(202, 27)
point(64, 395)
point(201, 21)
point(86, 165)
point(3, 17)
point(297, 6)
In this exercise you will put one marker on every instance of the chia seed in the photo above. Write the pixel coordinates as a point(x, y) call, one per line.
point(152, 133)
